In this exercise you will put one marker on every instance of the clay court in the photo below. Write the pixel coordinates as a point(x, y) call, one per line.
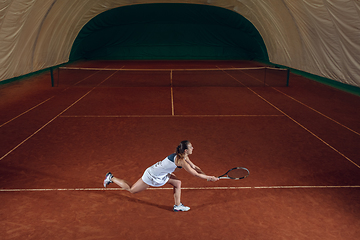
point(300, 143)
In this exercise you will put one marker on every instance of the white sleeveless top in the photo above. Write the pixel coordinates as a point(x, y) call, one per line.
point(159, 173)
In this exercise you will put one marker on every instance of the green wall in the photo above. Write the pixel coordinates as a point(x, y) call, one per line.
point(169, 31)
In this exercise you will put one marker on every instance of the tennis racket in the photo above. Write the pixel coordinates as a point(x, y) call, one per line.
point(236, 173)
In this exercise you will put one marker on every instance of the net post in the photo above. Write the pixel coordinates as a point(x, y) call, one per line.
point(288, 77)
point(52, 77)
point(265, 76)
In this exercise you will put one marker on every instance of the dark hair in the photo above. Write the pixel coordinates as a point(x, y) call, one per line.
point(180, 150)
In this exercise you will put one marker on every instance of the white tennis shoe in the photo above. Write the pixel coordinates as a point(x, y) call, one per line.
point(108, 178)
point(181, 208)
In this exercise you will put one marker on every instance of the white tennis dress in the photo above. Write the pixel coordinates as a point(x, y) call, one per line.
point(158, 174)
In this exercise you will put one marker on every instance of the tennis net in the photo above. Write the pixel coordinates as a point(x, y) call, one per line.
point(210, 77)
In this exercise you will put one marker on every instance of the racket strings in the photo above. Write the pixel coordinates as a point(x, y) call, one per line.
point(238, 173)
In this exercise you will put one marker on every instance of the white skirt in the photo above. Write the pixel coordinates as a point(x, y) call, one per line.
point(153, 180)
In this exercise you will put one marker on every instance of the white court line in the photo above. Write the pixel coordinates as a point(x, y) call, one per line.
point(26, 111)
point(26, 139)
point(186, 188)
point(298, 123)
point(317, 112)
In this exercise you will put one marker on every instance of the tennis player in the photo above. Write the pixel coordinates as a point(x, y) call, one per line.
point(162, 172)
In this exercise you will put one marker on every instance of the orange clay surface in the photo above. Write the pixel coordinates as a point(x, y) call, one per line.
point(300, 143)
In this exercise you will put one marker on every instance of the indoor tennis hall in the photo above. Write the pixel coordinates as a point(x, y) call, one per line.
point(76, 114)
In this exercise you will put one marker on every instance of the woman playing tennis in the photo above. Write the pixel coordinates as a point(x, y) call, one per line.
point(162, 172)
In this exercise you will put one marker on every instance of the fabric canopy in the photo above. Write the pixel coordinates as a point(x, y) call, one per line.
point(321, 37)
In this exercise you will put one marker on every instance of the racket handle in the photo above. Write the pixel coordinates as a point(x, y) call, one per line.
point(209, 180)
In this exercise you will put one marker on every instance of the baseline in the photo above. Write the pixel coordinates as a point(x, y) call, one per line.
point(186, 188)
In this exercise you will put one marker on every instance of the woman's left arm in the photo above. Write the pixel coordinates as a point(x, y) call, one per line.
point(193, 166)
point(186, 165)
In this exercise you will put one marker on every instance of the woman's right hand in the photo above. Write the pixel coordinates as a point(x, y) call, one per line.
point(212, 178)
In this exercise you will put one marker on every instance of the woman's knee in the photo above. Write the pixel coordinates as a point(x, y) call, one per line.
point(138, 187)
point(133, 191)
point(176, 183)
point(179, 183)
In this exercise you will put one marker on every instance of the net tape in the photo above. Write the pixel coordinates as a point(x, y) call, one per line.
point(249, 76)
point(168, 70)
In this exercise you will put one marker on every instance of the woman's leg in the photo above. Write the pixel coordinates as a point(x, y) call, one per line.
point(137, 187)
point(176, 183)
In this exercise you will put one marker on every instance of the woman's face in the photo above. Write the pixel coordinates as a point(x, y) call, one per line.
point(190, 149)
